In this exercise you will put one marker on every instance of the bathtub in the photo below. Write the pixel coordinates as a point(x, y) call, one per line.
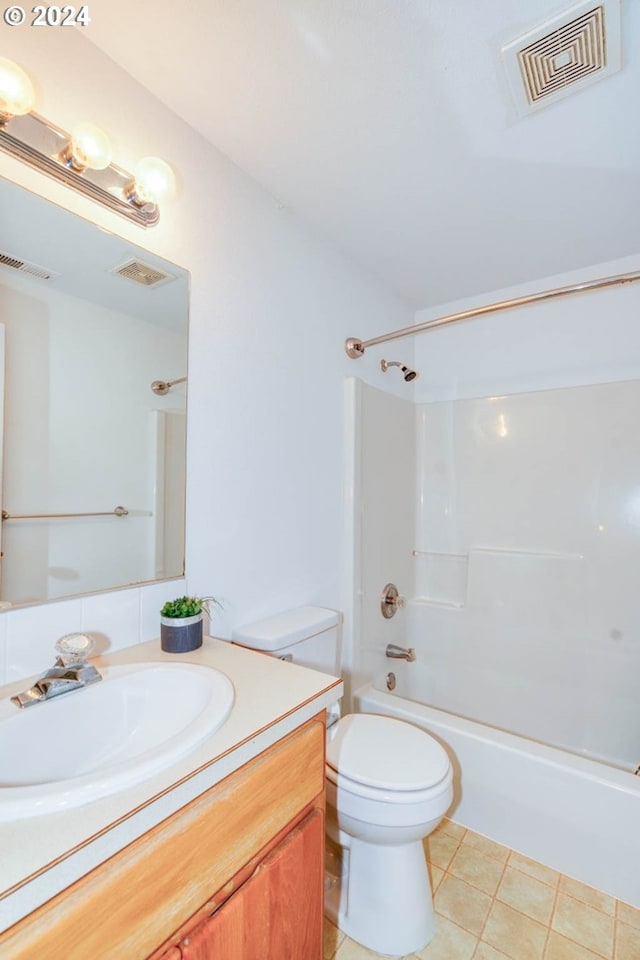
point(574, 814)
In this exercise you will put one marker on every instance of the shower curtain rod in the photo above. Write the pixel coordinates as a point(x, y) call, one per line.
point(355, 348)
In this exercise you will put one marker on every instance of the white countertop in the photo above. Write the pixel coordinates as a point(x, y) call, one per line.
point(40, 856)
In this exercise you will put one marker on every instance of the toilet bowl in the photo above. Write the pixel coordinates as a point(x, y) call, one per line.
point(389, 785)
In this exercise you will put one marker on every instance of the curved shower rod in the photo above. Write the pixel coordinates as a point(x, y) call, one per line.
point(355, 348)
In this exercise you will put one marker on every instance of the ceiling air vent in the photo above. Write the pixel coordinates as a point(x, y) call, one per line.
point(142, 273)
point(564, 54)
point(25, 267)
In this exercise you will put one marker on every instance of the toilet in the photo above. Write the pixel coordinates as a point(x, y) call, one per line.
point(389, 784)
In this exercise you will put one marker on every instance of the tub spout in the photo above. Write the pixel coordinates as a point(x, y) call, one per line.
point(400, 653)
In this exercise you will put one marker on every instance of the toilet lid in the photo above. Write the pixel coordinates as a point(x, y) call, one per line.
point(386, 753)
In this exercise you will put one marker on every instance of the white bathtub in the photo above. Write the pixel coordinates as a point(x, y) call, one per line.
point(573, 814)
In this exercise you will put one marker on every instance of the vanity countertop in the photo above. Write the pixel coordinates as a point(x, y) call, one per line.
point(42, 855)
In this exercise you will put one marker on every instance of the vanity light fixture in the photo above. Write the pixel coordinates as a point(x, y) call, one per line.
point(81, 159)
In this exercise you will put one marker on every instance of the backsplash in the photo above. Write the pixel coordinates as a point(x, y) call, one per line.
point(117, 619)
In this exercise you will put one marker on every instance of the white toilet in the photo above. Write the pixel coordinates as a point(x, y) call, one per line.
point(389, 784)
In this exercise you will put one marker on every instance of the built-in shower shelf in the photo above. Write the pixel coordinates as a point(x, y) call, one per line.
point(432, 602)
point(497, 550)
point(539, 554)
point(496, 576)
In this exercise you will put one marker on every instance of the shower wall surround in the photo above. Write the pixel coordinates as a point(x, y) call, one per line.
point(528, 538)
point(512, 525)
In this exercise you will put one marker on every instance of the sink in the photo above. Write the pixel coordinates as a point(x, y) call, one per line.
point(106, 737)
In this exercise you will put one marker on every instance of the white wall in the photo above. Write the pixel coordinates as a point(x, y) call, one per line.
point(271, 306)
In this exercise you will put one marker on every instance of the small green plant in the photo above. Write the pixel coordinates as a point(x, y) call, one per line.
point(188, 606)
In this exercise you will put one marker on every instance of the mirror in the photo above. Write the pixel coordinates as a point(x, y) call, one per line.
point(92, 473)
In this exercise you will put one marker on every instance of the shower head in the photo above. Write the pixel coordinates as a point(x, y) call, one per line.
point(407, 372)
point(161, 387)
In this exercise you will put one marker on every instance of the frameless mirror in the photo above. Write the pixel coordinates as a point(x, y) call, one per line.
point(93, 456)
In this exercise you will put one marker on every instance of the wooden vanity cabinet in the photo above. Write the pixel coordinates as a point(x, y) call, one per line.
point(277, 913)
point(237, 874)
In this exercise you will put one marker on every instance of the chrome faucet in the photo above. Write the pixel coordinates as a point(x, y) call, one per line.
point(70, 671)
point(400, 653)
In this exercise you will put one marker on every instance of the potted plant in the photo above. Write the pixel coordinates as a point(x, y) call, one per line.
point(181, 623)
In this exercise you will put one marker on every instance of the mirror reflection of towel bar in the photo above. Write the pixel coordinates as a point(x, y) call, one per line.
point(116, 512)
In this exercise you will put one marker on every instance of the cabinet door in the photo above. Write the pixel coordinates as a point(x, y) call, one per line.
point(277, 914)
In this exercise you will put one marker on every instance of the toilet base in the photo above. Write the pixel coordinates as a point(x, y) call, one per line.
point(382, 899)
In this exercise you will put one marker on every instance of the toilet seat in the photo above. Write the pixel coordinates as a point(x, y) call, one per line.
point(372, 755)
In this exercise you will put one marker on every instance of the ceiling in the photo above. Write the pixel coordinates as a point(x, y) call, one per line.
point(388, 126)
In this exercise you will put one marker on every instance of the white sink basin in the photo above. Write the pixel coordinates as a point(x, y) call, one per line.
point(80, 746)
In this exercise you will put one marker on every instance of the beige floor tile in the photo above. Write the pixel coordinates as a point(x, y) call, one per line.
point(455, 830)
point(559, 948)
point(451, 942)
point(485, 846)
point(527, 895)
point(517, 936)
point(628, 914)
point(580, 891)
point(588, 927)
point(440, 848)
point(480, 871)
point(627, 942)
point(534, 869)
point(462, 903)
point(435, 875)
point(350, 950)
point(332, 939)
point(486, 952)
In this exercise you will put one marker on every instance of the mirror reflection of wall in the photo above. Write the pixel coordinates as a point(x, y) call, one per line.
point(83, 430)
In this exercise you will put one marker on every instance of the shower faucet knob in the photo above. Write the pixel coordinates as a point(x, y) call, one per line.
point(391, 601)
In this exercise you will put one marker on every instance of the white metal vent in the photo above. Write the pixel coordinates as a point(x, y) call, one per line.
point(25, 267)
point(575, 48)
point(142, 273)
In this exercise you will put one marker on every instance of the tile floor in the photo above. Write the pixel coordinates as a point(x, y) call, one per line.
point(494, 904)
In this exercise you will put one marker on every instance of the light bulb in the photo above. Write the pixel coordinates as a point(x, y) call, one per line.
point(90, 147)
point(154, 181)
point(17, 95)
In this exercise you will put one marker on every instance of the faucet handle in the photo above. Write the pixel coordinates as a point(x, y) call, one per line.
point(75, 647)
point(390, 601)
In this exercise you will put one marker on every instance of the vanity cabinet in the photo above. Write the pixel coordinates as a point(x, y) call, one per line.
point(237, 874)
point(277, 913)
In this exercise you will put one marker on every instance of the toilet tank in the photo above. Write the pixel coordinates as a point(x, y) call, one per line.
point(308, 636)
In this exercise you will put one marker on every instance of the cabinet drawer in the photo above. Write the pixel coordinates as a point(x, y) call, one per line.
point(136, 899)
